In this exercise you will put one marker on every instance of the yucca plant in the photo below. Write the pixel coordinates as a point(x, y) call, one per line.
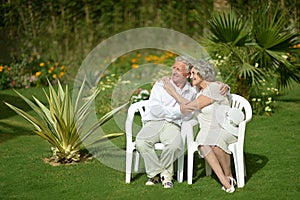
point(62, 124)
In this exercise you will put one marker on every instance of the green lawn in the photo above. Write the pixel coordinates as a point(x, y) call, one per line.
point(271, 152)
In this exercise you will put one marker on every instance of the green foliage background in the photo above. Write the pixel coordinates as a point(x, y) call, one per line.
point(67, 31)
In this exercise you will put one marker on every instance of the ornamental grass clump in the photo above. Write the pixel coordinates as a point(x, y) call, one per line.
point(62, 124)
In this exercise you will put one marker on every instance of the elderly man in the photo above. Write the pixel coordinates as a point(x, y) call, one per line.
point(162, 124)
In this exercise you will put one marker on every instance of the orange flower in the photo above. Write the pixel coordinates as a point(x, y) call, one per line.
point(61, 74)
point(134, 60)
point(62, 67)
point(42, 64)
point(148, 58)
point(170, 54)
point(51, 70)
point(1, 68)
point(134, 66)
point(155, 58)
point(37, 74)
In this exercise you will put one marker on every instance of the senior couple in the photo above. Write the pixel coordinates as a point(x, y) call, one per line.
point(174, 100)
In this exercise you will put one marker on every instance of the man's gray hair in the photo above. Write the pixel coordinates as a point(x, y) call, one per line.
point(205, 69)
point(188, 61)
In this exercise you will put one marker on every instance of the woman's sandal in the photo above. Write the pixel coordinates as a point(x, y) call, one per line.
point(232, 183)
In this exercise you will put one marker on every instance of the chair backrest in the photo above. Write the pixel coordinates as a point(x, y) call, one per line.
point(243, 104)
point(138, 106)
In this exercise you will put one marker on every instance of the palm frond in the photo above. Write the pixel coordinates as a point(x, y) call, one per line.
point(228, 28)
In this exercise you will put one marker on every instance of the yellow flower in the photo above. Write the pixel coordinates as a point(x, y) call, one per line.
point(62, 67)
point(42, 64)
point(54, 76)
point(1, 68)
point(37, 74)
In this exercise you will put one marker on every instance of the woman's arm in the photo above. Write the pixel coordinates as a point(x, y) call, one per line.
point(197, 104)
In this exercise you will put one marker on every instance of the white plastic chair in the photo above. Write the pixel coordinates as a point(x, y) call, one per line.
point(130, 144)
point(236, 148)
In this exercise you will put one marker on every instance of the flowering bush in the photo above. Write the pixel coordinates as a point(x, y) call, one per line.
point(264, 100)
point(30, 72)
point(262, 96)
point(131, 61)
point(139, 95)
point(106, 86)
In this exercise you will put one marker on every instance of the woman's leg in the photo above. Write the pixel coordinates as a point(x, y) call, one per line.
point(214, 163)
point(224, 160)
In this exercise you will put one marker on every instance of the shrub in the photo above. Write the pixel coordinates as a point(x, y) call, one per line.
point(30, 72)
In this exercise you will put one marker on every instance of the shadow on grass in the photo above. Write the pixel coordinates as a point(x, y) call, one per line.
point(254, 163)
point(10, 125)
point(9, 131)
point(6, 112)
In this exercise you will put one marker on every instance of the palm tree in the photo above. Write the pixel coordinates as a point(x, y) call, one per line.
point(256, 48)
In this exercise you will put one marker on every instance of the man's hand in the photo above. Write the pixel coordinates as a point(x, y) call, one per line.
point(224, 88)
point(168, 86)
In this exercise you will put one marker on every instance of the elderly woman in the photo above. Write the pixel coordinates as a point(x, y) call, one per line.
point(213, 140)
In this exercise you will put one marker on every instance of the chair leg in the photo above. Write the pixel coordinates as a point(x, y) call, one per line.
point(180, 168)
point(240, 169)
point(128, 166)
point(137, 160)
point(190, 166)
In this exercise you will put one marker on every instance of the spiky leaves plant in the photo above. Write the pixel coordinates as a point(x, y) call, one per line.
point(62, 124)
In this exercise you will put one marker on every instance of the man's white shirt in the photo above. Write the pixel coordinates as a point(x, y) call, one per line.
point(162, 106)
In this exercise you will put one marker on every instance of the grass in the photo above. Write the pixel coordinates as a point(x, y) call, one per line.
point(271, 152)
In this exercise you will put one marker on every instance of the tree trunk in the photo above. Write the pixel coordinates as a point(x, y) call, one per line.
point(32, 21)
point(221, 5)
point(243, 87)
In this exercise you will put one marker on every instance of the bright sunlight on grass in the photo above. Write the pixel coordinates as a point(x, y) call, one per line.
point(271, 153)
